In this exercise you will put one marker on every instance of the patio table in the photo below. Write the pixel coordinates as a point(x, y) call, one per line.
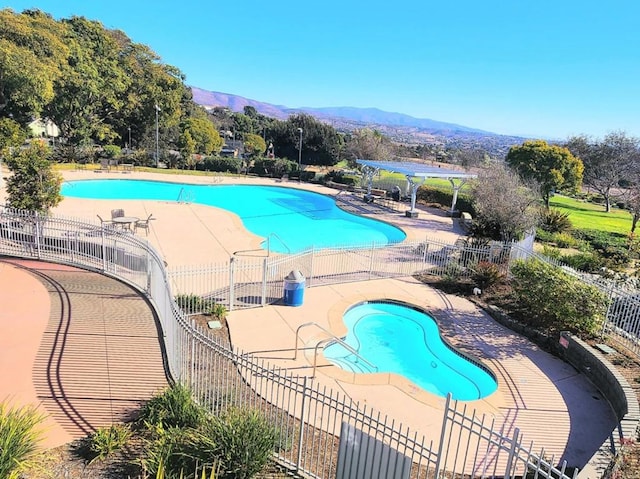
point(125, 222)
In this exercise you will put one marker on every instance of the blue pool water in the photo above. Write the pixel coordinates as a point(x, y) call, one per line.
point(300, 219)
point(397, 338)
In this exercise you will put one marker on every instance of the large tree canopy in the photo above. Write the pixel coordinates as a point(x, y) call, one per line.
point(95, 84)
point(369, 144)
point(606, 162)
point(321, 143)
point(552, 166)
point(32, 53)
point(503, 203)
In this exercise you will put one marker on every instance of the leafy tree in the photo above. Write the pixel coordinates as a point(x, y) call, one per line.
point(321, 143)
point(206, 139)
point(552, 166)
point(32, 52)
point(91, 87)
point(254, 145)
point(11, 135)
point(502, 201)
point(243, 125)
point(369, 144)
point(112, 151)
point(251, 112)
point(95, 84)
point(187, 147)
point(606, 162)
point(34, 185)
point(468, 157)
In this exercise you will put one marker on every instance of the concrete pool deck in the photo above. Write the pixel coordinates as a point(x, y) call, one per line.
point(190, 233)
point(551, 404)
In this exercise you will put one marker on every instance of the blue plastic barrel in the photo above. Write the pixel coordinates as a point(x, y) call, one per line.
point(294, 289)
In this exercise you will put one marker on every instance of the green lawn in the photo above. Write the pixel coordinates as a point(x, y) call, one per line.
point(585, 215)
point(161, 171)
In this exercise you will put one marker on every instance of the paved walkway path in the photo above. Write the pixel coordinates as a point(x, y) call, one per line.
point(82, 347)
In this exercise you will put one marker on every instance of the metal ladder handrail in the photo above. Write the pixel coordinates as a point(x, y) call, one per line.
point(344, 345)
point(332, 337)
point(272, 234)
point(185, 195)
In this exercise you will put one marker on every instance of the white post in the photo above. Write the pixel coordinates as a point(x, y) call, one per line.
point(232, 268)
point(456, 189)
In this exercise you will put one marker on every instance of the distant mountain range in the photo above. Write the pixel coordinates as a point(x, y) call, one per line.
point(400, 127)
point(361, 115)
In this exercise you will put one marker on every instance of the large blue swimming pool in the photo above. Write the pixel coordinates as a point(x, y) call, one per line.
point(293, 219)
point(397, 338)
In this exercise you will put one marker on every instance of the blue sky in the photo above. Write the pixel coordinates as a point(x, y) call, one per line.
point(545, 69)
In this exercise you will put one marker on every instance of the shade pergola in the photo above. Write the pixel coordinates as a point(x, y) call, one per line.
point(416, 174)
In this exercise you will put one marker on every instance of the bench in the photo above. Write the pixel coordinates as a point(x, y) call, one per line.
point(339, 186)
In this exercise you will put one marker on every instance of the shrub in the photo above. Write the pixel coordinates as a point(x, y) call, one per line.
point(565, 240)
point(111, 151)
point(241, 440)
point(273, 166)
point(543, 236)
point(164, 453)
point(217, 310)
point(552, 299)
point(338, 176)
point(107, 440)
point(192, 303)
point(18, 437)
point(612, 247)
point(175, 407)
point(554, 221)
point(451, 274)
point(486, 229)
point(486, 274)
point(444, 198)
point(307, 176)
point(220, 164)
point(587, 262)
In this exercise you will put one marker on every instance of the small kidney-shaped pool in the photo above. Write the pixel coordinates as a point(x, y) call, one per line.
point(400, 338)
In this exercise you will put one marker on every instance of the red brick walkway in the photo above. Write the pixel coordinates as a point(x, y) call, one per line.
point(82, 346)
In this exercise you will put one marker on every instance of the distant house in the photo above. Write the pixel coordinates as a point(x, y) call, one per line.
point(232, 149)
point(43, 129)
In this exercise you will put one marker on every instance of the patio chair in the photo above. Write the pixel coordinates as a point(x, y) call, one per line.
point(105, 223)
point(104, 166)
point(144, 224)
point(117, 213)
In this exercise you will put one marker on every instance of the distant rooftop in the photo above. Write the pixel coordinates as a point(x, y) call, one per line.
point(420, 170)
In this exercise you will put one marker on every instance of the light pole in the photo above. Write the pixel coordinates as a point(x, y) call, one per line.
point(157, 136)
point(129, 129)
point(300, 156)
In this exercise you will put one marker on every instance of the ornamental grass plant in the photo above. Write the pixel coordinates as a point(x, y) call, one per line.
point(19, 437)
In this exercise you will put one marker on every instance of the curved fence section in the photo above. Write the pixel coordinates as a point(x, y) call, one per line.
point(316, 425)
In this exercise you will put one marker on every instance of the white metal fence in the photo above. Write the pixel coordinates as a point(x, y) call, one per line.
point(249, 281)
point(308, 417)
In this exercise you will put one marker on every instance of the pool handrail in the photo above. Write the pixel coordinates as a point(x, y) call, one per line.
point(281, 241)
point(332, 337)
point(344, 345)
